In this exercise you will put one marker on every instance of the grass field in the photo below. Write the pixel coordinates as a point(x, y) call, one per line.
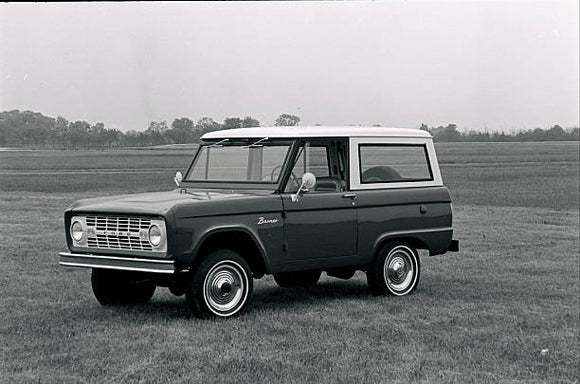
point(484, 314)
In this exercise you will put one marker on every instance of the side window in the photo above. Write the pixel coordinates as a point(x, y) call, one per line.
point(311, 158)
point(386, 163)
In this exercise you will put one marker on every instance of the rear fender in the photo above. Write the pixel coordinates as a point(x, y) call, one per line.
point(435, 240)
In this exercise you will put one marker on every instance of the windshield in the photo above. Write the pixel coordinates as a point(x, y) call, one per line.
point(239, 163)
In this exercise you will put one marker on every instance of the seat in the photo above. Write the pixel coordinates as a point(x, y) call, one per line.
point(328, 184)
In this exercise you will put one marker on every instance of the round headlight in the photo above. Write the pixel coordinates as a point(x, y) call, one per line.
point(76, 231)
point(155, 235)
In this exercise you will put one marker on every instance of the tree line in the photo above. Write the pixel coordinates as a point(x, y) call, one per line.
point(26, 129)
point(450, 133)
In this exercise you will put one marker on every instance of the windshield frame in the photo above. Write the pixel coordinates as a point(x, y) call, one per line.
point(234, 184)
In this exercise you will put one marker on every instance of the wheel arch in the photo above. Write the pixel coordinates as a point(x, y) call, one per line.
point(408, 238)
point(238, 239)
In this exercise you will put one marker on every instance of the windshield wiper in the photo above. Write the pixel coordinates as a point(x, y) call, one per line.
point(256, 144)
point(218, 144)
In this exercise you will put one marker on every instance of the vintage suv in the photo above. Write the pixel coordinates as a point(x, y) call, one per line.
point(287, 201)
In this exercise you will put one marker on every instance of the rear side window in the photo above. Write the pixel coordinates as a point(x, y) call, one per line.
point(388, 163)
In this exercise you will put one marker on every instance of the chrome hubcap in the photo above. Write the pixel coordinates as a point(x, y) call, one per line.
point(399, 269)
point(225, 288)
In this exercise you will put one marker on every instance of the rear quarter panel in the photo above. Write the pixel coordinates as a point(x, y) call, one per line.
point(396, 213)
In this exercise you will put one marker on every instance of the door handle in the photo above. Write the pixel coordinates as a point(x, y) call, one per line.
point(349, 196)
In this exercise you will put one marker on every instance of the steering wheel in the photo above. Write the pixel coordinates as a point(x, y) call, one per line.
point(278, 168)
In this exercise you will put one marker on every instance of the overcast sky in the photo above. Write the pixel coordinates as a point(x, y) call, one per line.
point(501, 65)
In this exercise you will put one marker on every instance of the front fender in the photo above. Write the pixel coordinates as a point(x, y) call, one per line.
point(267, 236)
point(232, 228)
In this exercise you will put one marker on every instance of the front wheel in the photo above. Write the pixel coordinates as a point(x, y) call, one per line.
point(395, 270)
point(113, 287)
point(221, 286)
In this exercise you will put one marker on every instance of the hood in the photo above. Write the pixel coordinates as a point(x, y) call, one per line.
point(159, 203)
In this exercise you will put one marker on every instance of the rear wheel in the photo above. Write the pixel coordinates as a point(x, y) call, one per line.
point(121, 287)
point(297, 279)
point(395, 270)
point(221, 286)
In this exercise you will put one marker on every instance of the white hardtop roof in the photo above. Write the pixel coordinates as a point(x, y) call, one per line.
point(315, 131)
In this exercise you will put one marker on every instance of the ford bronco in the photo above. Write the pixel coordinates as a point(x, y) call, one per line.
point(288, 201)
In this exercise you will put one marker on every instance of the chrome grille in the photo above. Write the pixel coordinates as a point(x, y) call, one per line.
point(117, 232)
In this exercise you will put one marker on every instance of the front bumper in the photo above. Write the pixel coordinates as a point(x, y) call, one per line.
point(113, 262)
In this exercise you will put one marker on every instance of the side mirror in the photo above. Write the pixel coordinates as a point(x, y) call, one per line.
point(178, 177)
point(308, 181)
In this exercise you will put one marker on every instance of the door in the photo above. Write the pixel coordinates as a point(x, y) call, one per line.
point(320, 229)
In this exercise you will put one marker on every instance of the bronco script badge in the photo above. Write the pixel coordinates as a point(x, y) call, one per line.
point(262, 220)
